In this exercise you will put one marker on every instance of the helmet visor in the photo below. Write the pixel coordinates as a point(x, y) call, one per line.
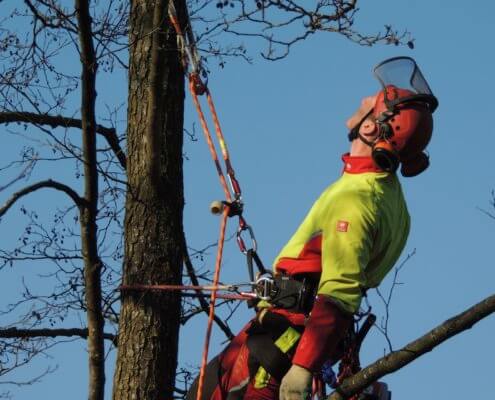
point(403, 72)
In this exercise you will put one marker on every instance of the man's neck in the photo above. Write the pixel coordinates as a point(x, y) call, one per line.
point(360, 149)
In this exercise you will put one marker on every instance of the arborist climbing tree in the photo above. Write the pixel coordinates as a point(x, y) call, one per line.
point(350, 239)
point(347, 243)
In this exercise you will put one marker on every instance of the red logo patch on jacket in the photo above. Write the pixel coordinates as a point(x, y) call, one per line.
point(342, 226)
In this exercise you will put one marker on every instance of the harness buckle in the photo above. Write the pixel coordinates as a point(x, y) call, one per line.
point(265, 287)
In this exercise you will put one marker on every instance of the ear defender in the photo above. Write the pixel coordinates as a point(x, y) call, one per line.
point(414, 166)
point(383, 153)
point(385, 156)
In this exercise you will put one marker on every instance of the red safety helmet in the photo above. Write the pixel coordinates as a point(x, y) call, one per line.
point(403, 116)
point(405, 127)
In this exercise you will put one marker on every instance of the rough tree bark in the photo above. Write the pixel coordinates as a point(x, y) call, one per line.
point(89, 229)
point(149, 323)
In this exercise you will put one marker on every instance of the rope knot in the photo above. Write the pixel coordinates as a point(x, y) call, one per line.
point(197, 84)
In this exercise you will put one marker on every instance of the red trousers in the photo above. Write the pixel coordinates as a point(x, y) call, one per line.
point(227, 375)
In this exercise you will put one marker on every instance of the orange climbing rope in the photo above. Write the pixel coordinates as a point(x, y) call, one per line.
point(193, 88)
point(233, 203)
point(213, 298)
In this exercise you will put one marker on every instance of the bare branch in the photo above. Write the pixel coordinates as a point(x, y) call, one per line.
point(31, 381)
point(59, 121)
point(80, 202)
point(26, 170)
point(383, 326)
point(202, 301)
point(61, 21)
point(89, 229)
point(492, 204)
point(400, 358)
point(10, 333)
point(281, 24)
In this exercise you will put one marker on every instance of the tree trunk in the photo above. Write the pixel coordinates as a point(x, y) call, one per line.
point(149, 322)
point(89, 229)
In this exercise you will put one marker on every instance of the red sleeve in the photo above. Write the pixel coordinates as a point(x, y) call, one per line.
point(324, 329)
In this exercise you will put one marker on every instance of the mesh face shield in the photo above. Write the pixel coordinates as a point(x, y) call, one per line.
point(403, 72)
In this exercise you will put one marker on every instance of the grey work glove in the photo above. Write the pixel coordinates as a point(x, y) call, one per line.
point(296, 384)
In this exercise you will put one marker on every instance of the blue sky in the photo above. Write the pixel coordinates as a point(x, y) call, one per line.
point(284, 123)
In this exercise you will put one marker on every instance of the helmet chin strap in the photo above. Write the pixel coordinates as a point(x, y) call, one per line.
point(356, 134)
point(366, 141)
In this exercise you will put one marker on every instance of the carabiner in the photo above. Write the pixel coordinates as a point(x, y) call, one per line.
point(240, 241)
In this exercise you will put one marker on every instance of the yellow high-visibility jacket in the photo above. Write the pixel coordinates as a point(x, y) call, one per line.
point(353, 234)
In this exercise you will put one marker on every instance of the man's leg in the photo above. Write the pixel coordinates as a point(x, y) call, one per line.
point(226, 375)
point(269, 392)
point(212, 377)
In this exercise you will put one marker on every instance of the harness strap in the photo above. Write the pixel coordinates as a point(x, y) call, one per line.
point(271, 337)
point(252, 255)
point(272, 356)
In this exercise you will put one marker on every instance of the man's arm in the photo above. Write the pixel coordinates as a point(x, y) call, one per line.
point(349, 227)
